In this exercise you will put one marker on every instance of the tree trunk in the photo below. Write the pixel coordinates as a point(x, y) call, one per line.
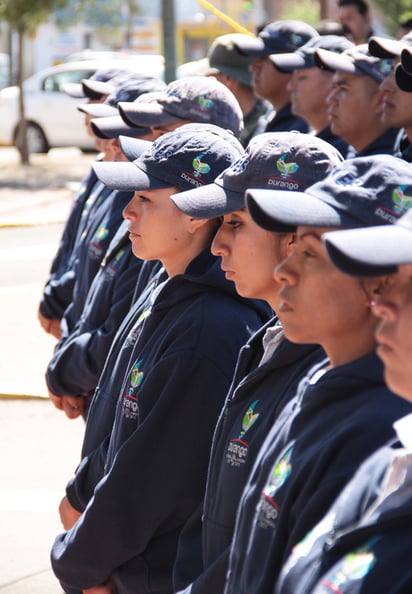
point(21, 139)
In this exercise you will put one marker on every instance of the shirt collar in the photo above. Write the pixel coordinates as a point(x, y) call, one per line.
point(403, 428)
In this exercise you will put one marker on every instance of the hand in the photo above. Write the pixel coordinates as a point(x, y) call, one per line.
point(68, 515)
point(50, 325)
point(103, 589)
point(72, 406)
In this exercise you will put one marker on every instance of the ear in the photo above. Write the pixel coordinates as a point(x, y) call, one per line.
point(195, 224)
point(373, 287)
point(287, 244)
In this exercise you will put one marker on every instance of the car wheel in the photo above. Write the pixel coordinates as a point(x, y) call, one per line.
point(36, 139)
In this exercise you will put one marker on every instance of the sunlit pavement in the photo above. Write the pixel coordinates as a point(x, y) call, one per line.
point(39, 446)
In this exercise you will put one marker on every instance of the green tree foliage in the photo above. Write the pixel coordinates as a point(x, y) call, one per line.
point(394, 12)
point(23, 16)
point(303, 10)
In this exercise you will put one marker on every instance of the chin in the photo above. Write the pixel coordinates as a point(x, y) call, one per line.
point(401, 386)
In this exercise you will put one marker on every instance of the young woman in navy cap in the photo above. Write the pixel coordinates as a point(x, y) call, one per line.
point(182, 345)
point(363, 543)
point(342, 411)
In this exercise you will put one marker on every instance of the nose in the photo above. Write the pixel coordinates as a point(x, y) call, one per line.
point(384, 308)
point(284, 273)
point(291, 84)
point(129, 212)
point(388, 83)
point(331, 98)
point(256, 65)
point(219, 246)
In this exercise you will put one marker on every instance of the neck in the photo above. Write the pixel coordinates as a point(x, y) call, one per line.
point(247, 100)
point(177, 264)
point(318, 122)
point(344, 349)
point(366, 137)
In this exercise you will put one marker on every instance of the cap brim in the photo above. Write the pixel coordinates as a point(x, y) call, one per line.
point(252, 46)
point(97, 87)
point(132, 148)
point(282, 211)
point(126, 176)
point(74, 90)
point(145, 114)
point(384, 48)
point(288, 62)
point(327, 60)
point(403, 79)
point(98, 110)
point(370, 251)
point(208, 202)
point(113, 127)
point(406, 59)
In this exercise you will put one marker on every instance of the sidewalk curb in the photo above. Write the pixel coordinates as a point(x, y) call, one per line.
point(5, 396)
point(33, 223)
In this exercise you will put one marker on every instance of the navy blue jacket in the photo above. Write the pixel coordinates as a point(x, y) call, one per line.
point(336, 421)
point(403, 146)
point(78, 361)
point(80, 488)
point(58, 291)
point(103, 223)
point(328, 136)
point(179, 372)
point(284, 121)
point(383, 145)
point(257, 395)
point(363, 544)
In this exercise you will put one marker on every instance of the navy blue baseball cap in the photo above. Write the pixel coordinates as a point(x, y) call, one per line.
point(304, 57)
point(384, 47)
point(195, 98)
point(85, 88)
point(356, 60)
point(372, 251)
point(360, 192)
point(406, 59)
point(279, 36)
point(128, 90)
point(115, 126)
point(188, 157)
point(403, 79)
point(96, 87)
point(285, 160)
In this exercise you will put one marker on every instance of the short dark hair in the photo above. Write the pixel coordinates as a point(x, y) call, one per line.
point(361, 5)
point(407, 24)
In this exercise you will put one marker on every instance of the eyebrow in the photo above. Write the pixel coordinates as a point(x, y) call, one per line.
point(309, 234)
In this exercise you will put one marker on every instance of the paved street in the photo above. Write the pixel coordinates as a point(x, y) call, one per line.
point(40, 446)
point(40, 449)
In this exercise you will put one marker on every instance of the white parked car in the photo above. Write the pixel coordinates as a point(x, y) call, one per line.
point(52, 115)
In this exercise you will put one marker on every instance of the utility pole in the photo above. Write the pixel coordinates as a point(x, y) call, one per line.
point(169, 42)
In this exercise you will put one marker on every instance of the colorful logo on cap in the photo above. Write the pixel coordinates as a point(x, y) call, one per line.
point(286, 169)
point(402, 203)
point(240, 165)
point(204, 103)
point(158, 154)
point(296, 39)
point(136, 376)
point(385, 66)
point(199, 167)
point(249, 418)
